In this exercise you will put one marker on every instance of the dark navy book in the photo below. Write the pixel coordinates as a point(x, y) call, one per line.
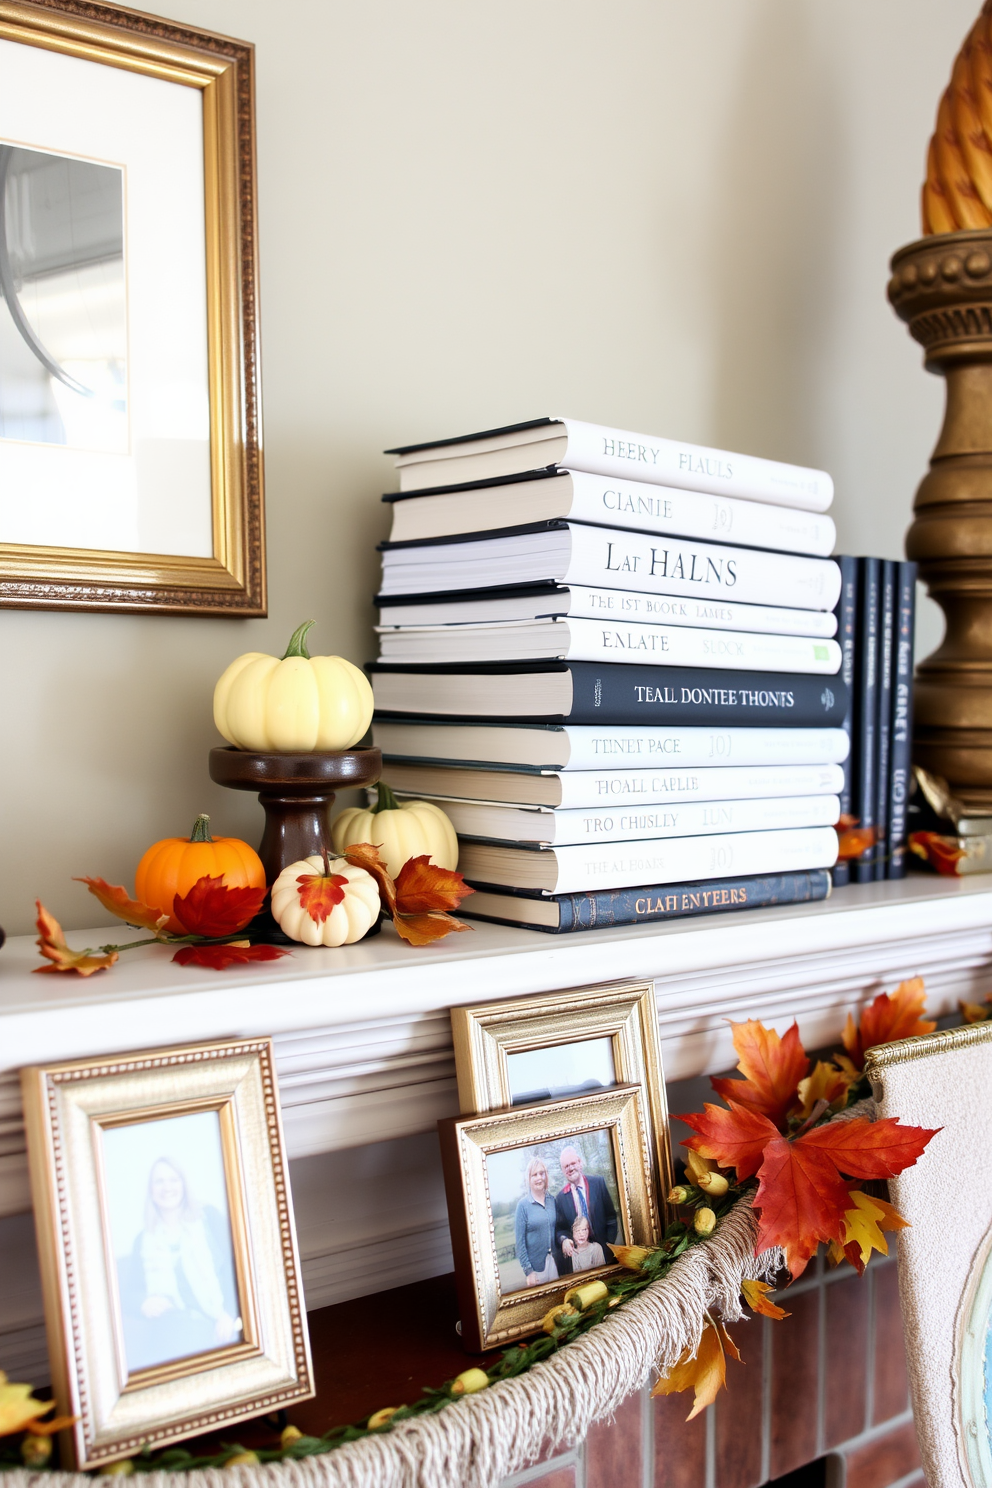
point(902, 716)
point(883, 726)
point(866, 709)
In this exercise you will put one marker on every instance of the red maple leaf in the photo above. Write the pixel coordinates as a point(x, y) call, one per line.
point(320, 892)
point(772, 1068)
point(735, 1139)
point(800, 1199)
point(940, 852)
point(218, 957)
point(869, 1149)
point(892, 1016)
point(422, 887)
point(212, 908)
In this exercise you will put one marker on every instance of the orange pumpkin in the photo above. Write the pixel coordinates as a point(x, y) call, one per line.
point(172, 867)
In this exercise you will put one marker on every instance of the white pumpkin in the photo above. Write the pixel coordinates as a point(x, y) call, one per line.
point(298, 704)
point(347, 921)
point(399, 829)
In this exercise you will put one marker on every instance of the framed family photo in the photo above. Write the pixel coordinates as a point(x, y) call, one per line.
point(130, 446)
point(536, 1196)
point(172, 1304)
point(560, 1044)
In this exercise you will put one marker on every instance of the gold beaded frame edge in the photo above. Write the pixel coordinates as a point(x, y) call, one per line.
point(57, 1202)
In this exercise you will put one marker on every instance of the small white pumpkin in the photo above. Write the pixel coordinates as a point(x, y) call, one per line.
point(399, 829)
point(298, 704)
point(347, 921)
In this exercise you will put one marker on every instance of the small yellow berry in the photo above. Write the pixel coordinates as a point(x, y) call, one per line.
point(704, 1221)
point(553, 1319)
point(122, 1469)
point(36, 1450)
point(469, 1381)
point(586, 1295)
point(242, 1459)
point(289, 1435)
point(679, 1194)
point(713, 1183)
point(380, 1417)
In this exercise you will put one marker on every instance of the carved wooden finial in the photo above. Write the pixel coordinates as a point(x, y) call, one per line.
point(957, 193)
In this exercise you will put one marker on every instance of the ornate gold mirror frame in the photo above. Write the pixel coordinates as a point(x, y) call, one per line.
point(232, 581)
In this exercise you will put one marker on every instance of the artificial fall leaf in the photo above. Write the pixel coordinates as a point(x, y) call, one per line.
point(211, 907)
point(422, 887)
point(975, 1012)
point(697, 1166)
point(801, 1200)
point(864, 1222)
point(419, 927)
point(892, 1016)
point(853, 839)
point(772, 1068)
point(705, 1372)
point(869, 1149)
point(320, 892)
point(18, 1409)
point(219, 957)
point(826, 1083)
point(940, 852)
point(735, 1139)
point(52, 945)
point(756, 1297)
point(116, 899)
point(52, 1427)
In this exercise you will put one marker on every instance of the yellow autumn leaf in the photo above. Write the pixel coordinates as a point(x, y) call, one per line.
point(705, 1372)
point(756, 1297)
point(863, 1225)
point(18, 1408)
point(828, 1083)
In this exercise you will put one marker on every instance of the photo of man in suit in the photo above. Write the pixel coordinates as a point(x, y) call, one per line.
point(587, 1196)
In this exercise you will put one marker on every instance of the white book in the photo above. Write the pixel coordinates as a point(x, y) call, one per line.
point(621, 865)
point(607, 640)
point(582, 746)
point(556, 826)
point(538, 603)
point(583, 497)
point(541, 443)
point(612, 788)
point(570, 552)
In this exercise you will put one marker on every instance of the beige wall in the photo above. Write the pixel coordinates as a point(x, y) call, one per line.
point(670, 216)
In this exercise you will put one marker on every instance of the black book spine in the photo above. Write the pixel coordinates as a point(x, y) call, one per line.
point(605, 907)
point(846, 612)
point(866, 710)
point(883, 727)
point(630, 695)
point(902, 716)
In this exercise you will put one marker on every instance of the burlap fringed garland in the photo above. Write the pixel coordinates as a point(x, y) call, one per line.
point(478, 1441)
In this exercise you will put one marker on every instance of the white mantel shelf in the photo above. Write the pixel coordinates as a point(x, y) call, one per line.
point(363, 1043)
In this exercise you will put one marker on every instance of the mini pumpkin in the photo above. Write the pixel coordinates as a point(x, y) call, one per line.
point(399, 829)
point(299, 703)
point(331, 924)
point(172, 867)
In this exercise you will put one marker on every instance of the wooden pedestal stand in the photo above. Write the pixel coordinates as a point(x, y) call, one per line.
point(942, 286)
point(296, 792)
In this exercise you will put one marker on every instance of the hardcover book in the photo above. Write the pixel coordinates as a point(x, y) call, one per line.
point(883, 730)
point(866, 710)
point(625, 694)
point(572, 552)
point(565, 913)
point(544, 443)
point(902, 716)
point(846, 619)
point(545, 495)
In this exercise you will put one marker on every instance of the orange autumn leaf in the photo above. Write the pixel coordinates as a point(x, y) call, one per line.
point(864, 1222)
point(801, 1200)
point(422, 887)
point(418, 927)
point(852, 839)
point(826, 1083)
point(117, 900)
point(52, 945)
point(870, 1149)
point(756, 1297)
point(320, 892)
point(890, 1017)
point(735, 1139)
point(975, 1012)
point(940, 852)
point(211, 907)
point(705, 1372)
point(772, 1068)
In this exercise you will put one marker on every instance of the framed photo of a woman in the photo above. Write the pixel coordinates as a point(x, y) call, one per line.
point(130, 445)
point(170, 1302)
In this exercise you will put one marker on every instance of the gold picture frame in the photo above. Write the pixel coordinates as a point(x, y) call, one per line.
point(492, 1313)
point(487, 1035)
point(172, 1305)
point(231, 580)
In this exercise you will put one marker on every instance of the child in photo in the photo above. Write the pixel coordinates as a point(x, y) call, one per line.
point(586, 1253)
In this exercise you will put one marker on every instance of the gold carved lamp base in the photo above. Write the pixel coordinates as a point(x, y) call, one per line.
point(942, 287)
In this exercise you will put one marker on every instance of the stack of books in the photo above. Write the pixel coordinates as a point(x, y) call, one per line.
point(612, 660)
point(876, 616)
